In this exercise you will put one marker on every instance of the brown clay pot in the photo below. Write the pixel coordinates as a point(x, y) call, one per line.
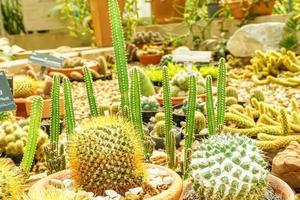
point(173, 193)
point(279, 186)
point(67, 71)
point(24, 107)
point(259, 9)
point(150, 59)
point(164, 11)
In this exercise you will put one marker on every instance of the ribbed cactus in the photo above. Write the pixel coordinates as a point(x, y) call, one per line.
point(135, 102)
point(221, 92)
point(170, 137)
point(119, 51)
point(284, 121)
point(200, 122)
point(210, 107)
point(159, 128)
point(159, 116)
point(55, 111)
point(190, 123)
point(231, 92)
point(104, 109)
point(69, 109)
point(90, 92)
point(34, 127)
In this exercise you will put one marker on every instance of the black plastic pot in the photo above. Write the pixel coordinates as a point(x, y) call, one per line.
point(46, 127)
point(146, 115)
point(212, 8)
point(177, 118)
point(160, 142)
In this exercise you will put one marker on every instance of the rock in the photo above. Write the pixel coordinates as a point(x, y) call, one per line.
point(137, 190)
point(286, 165)
point(112, 194)
point(168, 180)
point(249, 38)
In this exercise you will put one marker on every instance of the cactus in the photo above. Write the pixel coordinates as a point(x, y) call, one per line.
point(115, 108)
point(135, 102)
point(147, 88)
point(231, 92)
point(284, 121)
point(258, 95)
point(200, 122)
point(160, 116)
point(231, 101)
point(149, 104)
point(159, 128)
point(279, 143)
point(68, 105)
point(239, 121)
point(11, 181)
point(102, 65)
point(24, 86)
point(55, 158)
point(229, 167)
point(6, 116)
point(119, 51)
point(169, 137)
point(221, 92)
point(104, 109)
point(210, 106)
point(55, 111)
point(190, 123)
point(90, 92)
point(34, 125)
point(106, 153)
point(272, 130)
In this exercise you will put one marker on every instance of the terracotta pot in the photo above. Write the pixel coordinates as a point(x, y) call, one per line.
point(178, 100)
point(24, 107)
point(164, 10)
point(279, 186)
point(261, 8)
point(150, 59)
point(173, 193)
point(68, 71)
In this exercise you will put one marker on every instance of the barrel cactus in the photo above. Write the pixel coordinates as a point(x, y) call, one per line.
point(229, 167)
point(106, 153)
point(24, 86)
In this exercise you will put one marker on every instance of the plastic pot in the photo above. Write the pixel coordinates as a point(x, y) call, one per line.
point(146, 115)
point(160, 142)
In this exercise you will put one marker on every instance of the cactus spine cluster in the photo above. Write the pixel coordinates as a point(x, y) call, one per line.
point(106, 153)
point(229, 167)
point(6, 116)
point(119, 52)
point(159, 128)
point(90, 92)
point(190, 124)
point(200, 122)
point(24, 86)
point(68, 106)
point(169, 135)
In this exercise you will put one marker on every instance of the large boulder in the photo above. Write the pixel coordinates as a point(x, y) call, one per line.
point(286, 165)
point(249, 38)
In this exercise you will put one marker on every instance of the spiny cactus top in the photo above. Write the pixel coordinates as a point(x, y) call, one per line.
point(226, 167)
point(106, 153)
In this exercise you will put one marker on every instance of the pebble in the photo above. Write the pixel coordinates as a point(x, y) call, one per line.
point(136, 190)
point(168, 180)
point(68, 183)
point(113, 194)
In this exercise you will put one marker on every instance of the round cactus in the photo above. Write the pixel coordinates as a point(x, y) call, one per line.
point(6, 116)
point(149, 104)
point(106, 153)
point(160, 116)
point(24, 86)
point(11, 181)
point(231, 92)
point(200, 122)
point(231, 101)
point(229, 167)
point(258, 95)
point(159, 128)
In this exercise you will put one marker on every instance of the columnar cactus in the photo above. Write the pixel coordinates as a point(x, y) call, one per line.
point(210, 106)
point(169, 136)
point(34, 127)
point(90, 92)
point(190, 125)
point(229, 167)
point(135, 102)
point(55, 111)
point(119, 51)
point(68, 104)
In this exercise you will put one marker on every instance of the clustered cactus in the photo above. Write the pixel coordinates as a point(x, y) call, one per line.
point(147, 37)
point(149, 104)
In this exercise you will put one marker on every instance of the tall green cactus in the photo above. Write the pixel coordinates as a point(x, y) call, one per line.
point(34, 127)
point(221, 92)
point(68, 104)
point(90, 92)
point(55, 111)
point(119, 50)
point(190, 125)
point(135, 101)
point(169, 136)
point(210, 107)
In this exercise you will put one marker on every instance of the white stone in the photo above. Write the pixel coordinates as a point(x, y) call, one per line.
point(168, 180)
point(99, 198)
point(156, 182)
point(111, 193)
point(251, 37)
point(68, 183)
point(136, 190)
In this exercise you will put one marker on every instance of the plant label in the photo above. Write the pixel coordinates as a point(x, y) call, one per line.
point(45, 59)
point(6, 98)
